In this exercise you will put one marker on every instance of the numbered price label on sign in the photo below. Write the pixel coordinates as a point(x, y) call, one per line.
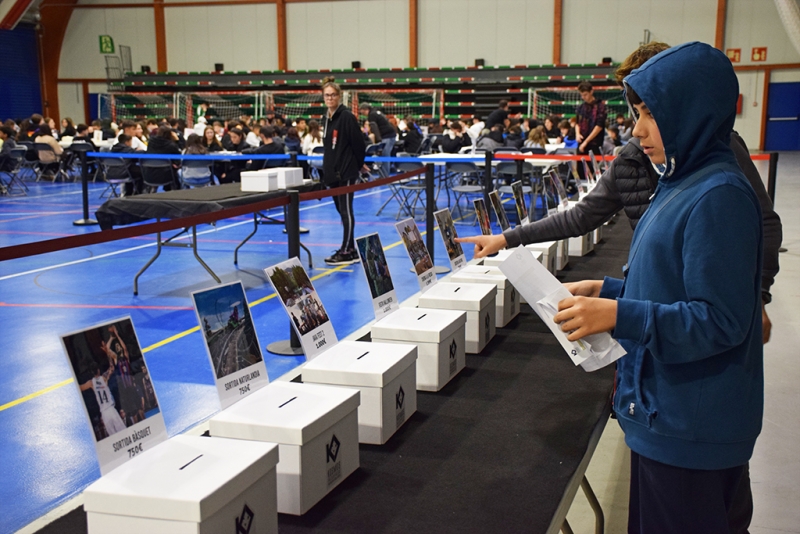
point(759, 54)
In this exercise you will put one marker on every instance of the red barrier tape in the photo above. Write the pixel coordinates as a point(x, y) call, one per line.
point(64, 243)
point(565, 157)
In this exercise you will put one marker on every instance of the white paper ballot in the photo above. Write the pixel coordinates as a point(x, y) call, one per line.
point(535, 283)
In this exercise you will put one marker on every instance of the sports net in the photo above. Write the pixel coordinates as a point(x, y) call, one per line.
point(562, 102)
point(137, 106)
point(419, 103)
point(225, 106)
point(306, 104)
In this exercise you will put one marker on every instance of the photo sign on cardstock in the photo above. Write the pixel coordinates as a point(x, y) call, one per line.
point(302, 304)
point(230, 337)
point(118, 395)
point(482, 214)
point(448, 230)
point(559, 185)
point(379, 279)
point(519, 201)
point(497, 205)
point(420, 259)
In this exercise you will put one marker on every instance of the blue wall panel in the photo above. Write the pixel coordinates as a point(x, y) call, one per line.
point(20, 92)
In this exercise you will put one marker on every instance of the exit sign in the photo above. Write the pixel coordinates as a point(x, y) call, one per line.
point(759, 54)
point(734, 54)
point(106, 44)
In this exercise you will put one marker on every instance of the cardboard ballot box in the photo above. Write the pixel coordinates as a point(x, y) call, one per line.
point(316, 428)
point(475, 299)
point(549, 251)
point(439, 337)
point(562, 260)
point(189, 484)
point(580, 246)
point(597, 235)
point(507, 300)
point(384, 373)
point(266, 180)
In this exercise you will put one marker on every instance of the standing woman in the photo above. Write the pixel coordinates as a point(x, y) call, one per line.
point(341, 164)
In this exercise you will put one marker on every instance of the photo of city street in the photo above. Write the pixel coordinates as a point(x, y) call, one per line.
point(227, 328)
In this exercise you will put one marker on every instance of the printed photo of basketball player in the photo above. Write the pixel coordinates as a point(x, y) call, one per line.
point(374, 261)
point(112, 377)
point(483, 216)
point(519, 202)
point(227, 328)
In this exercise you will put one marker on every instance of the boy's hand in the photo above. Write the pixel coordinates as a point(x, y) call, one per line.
point(484, 244)
point(766, 324)
point(583, 316)
point(585, 288)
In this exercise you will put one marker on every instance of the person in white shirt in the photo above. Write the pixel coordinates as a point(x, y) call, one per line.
point(130, 128)
point(475, 130)
point(313, 138)
point(105, 399)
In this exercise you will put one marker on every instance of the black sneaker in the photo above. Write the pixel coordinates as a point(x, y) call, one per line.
point(342, 257)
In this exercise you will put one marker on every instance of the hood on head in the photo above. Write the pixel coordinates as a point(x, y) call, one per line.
point(691, 90)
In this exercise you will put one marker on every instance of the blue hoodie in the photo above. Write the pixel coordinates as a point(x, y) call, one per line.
point(690, 390)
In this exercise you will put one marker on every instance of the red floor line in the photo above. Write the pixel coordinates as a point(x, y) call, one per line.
point(93, 306)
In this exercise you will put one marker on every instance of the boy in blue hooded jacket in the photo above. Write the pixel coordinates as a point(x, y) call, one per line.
point(689, 393)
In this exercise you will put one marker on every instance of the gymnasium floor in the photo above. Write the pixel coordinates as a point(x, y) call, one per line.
point(46, 452)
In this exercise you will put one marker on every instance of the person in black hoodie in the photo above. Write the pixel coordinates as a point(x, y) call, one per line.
point(164, 142)
point(412, 136)
point(342, 161)
point(457, 139)
point(268, 146)
point(124, 146)
point(233, 169)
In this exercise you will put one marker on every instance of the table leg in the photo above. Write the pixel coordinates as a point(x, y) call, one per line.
point(599, 518)
point(199, 259)
point(146, 265)
point(246, 239)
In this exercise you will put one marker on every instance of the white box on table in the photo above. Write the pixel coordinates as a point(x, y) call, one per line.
point(274, 179)
point(500, 257)
point(507, 300)
point(581, 246)
point(189, 484)
point(598, 234)
point(384, 373)
point(549, 250)
point(316, 428)
point(478, 300)
point(439, 336)
point(562, 259)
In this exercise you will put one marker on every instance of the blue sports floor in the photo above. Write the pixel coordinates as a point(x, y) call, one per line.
point(46, 450)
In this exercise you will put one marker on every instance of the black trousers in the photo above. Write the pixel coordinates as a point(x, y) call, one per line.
point(668, 499)
point(344, 205)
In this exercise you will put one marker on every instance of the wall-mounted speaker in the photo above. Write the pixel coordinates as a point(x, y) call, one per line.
point(356, 64)
point(145, 69)
point(480, 62)
point(219, 67)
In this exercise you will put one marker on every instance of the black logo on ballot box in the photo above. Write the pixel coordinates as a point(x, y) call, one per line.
point(400, 398)
point(487, 327)
point(453, 349)
point(333, 449)
point(245, 521)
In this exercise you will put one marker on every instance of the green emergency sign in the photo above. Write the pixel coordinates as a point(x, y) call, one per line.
point(106, 44)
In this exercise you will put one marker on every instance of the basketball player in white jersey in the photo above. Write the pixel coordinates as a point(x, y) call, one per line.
point(105, 400)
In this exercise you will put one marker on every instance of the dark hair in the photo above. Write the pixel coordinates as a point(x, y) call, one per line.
point(564, 125)
point(503, 103)
point(269, 131)
point(313, 130)
point(8, 131)
point(128, 124)
point(123, 138)
point(165, 132)
point(638, 58)
point(36, 119)
point(236, 131)
point(81, 128)
point(214, 140)
point(632, 97)
point(614, 129)
point(291, 133)
point(584, 87)
point(44, 129)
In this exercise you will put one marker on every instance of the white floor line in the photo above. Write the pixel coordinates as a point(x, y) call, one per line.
point(30, 198)
point(101, 256)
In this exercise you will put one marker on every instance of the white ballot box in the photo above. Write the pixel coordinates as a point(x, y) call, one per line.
point(597, 235)
point(439, 337)
point(189, 484)
point(384, 373)
point(476, 299)
point(549, 251)
point(581, 246)
point(266, 180)
point(507, 300)
point(562, 260)
point(316, 428)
